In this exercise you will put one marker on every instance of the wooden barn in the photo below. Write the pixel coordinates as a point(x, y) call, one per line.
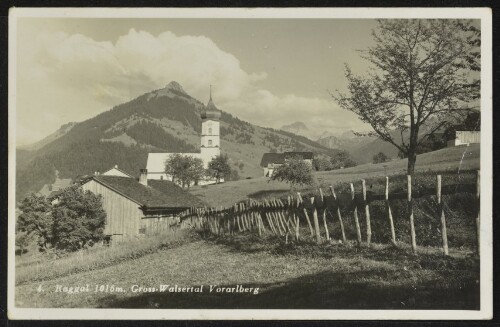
point(139, 207)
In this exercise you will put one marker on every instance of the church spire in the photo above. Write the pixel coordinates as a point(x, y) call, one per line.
point(210, 110)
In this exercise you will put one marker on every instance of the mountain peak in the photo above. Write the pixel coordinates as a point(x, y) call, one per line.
point(296, 125)
point(174, 86)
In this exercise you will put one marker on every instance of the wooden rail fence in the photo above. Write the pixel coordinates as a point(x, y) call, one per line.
point(282, 217)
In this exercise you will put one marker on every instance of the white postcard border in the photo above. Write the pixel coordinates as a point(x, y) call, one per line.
point(486, 242)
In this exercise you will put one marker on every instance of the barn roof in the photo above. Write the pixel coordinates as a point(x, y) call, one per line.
point(279, 158)
point(276, 158)
point(156, 161)
point(158, 194)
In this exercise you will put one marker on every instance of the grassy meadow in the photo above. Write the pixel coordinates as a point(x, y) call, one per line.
point(287, 276)
point(290, 274)
point(451, 160)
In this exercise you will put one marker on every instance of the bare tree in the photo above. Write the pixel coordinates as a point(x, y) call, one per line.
point(421, 77)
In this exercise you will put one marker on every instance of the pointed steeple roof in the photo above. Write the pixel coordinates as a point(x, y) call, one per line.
point(210, 111)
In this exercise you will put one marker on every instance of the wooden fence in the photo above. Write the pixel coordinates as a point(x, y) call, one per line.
point(283, 217)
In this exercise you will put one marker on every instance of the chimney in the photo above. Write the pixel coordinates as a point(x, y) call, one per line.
point(143, 178)
point(116, 166)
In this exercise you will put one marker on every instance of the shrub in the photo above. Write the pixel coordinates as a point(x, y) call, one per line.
point(380, 157)
point(295, 171)
point(74, 222)
point(36, 219)
point(79, 220)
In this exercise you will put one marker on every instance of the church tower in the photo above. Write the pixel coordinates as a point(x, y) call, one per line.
point(210, 138)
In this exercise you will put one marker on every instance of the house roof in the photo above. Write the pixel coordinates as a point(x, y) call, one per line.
point(49, 190)
point(158, 194)
point(275, 158)
point(120, 170)
point(303, 155)
point(279, 158)
point(156, 161)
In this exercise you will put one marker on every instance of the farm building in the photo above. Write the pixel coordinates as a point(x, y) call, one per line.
point(271, 161)
point(115, 171)
point(209, 148)
point(49, 190)
point(137, 207)
point(465, 137)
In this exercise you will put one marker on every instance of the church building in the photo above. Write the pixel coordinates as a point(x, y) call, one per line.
point(209, 148)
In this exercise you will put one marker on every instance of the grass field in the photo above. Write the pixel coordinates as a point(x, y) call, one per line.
point(452, 160)
point(287, 276)
point(293, 275)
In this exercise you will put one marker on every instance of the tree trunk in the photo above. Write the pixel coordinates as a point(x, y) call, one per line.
point(412, 158)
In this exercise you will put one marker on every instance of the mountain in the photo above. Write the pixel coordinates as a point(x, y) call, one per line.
point(330, 141)
point(298, 128)
point(52, 137)
point(361, 148)
point(164, 120)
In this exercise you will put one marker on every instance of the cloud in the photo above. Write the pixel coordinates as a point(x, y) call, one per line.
point(320, 115)
point(71, 77)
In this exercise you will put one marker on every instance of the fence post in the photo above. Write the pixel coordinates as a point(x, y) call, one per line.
point(296, 227)
point(410, 213)
point(344, 239)
point(367, 214)
point(316, 223)
point(324, 214)
point(356, 220)
point(389, 212)
point(305, 214)
point(478, 217)
point(444, 235)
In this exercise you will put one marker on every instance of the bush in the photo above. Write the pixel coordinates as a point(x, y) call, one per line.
point(36, 219)
point(380, 157)
point(219, 168)
point(79, 220)
point(76, 221)
point(295, 171)
point(322, 163)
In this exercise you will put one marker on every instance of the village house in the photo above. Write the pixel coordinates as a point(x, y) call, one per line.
point(209, 148)
point(270, 161)
point(138, 207)
point(465, 137)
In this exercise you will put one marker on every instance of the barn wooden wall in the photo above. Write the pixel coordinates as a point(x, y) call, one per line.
point(123, 215)
point(469, 136)
point(158, 224)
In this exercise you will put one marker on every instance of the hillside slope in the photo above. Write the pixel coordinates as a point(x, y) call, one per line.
point(165, 120)
point(457, 159)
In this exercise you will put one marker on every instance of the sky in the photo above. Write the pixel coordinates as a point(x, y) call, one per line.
point(270, 72)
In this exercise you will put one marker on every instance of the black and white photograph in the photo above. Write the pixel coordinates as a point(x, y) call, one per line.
point(274, 163)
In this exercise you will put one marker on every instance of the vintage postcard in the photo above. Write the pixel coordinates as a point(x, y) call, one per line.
point(293, 163)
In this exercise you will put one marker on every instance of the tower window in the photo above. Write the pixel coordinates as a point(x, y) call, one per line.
point(210, 131)
point(209, 142)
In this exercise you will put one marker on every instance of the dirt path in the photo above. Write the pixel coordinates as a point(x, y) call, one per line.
point(290, 281)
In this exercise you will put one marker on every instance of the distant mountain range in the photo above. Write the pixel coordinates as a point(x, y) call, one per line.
point(298, 128)
point(164, 120)
point(361, 148)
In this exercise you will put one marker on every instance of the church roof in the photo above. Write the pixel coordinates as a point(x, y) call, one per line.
point(158, 194)
point(210, 111)
point(156, 161)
